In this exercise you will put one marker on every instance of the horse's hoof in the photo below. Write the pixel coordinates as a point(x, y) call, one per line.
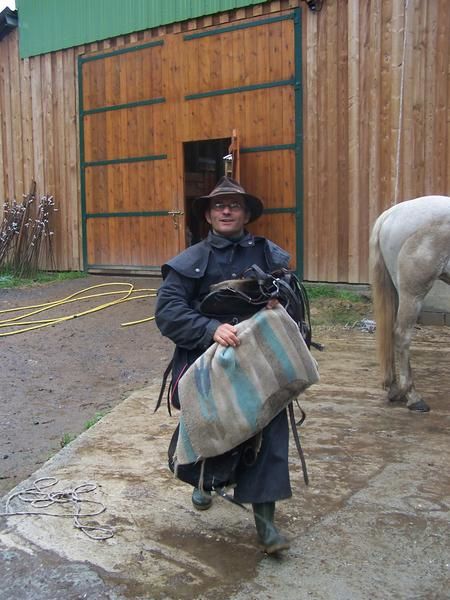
point(419, 406)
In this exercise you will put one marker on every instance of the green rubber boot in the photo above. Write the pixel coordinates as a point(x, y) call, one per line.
point(269, 536)
point(201, 500)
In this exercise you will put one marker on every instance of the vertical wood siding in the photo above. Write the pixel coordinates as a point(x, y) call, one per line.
point(376, 120)
point(39, 138)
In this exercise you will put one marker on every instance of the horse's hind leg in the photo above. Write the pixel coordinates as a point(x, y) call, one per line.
point(420, 263)
point(408, 312)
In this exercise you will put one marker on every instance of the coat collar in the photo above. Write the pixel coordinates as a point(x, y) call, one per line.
point(219, 241)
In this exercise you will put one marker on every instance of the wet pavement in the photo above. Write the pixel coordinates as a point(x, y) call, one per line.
point(373, 523)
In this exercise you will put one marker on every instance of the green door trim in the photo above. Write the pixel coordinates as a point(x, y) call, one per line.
point(241, 88)
point(267, 148)
point(202, 34)
point(101, 109)
point(85, 59)
point(121, 161)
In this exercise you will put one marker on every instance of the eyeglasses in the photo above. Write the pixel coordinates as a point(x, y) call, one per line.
point(221, 206)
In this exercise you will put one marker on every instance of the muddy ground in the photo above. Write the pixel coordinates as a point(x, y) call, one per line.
point(54, 380)
point(373, 523)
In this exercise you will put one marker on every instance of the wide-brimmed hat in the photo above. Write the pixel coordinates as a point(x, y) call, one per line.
point(228, 187)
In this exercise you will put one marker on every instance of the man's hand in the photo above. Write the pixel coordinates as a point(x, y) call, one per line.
point(226, 335)
point(273, 302)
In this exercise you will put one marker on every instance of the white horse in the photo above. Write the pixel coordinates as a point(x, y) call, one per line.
point(409, 251)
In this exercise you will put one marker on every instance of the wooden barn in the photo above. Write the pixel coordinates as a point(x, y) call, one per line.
point(123, 111)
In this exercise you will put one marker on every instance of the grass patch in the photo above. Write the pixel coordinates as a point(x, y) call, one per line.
point(94, 420)
point(322, 290)
point(66, 438)
point(331, 305)
point(8, 280)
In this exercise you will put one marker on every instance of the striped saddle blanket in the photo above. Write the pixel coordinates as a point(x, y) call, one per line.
point(230, 394)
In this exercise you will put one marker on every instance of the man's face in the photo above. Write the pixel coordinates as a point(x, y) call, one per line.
point(227, 215)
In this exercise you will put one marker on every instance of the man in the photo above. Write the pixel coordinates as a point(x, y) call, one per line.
point(226, 252)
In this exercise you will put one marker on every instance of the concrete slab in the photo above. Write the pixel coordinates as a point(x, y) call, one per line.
point(374, 522)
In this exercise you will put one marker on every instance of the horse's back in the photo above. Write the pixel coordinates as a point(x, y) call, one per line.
point(413, 213)
point(403, 220)
point(399, 223)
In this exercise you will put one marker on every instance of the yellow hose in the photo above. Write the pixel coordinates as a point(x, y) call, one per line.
point(137, 322)
point(56, 303)
point(19, 321)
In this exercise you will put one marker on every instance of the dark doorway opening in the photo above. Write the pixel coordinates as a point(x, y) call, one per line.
point(203, 167)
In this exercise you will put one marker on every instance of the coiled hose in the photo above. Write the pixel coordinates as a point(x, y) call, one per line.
point(22, 320)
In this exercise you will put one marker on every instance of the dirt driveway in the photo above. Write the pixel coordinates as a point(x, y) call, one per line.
point(56, 379)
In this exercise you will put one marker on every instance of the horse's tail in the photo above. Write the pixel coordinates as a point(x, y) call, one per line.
point(385, 301)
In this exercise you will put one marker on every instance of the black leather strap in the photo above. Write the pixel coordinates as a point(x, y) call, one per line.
point(297, 440)
point(163, 387)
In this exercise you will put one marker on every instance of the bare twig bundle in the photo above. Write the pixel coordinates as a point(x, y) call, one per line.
point(26, 236)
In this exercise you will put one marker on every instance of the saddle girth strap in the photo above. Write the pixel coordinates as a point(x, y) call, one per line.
point(297, 439)
point(163, 387)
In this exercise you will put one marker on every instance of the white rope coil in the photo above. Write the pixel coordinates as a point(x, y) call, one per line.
point(39, 499)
